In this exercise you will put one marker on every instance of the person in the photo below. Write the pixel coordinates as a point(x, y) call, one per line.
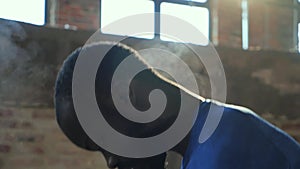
point(241, 140)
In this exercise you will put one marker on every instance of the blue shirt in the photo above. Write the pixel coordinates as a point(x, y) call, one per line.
point(242, 140)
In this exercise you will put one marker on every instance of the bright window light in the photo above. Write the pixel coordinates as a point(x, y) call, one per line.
point(195, 17)
point(202, 1)
point(29, 11)
point(245, 25)
point(299, 37)
point(114, 10)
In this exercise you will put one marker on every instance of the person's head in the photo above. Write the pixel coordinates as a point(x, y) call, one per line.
point(140, 87)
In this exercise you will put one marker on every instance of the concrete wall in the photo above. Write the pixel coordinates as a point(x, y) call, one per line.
point(30, 57)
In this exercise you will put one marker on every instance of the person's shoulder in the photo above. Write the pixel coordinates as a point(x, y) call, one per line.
point(245, 118)
point(237, 117)
point(231, 109)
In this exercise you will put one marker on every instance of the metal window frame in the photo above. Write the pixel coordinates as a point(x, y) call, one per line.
point(296, 21)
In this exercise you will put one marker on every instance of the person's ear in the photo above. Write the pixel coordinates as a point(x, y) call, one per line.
point(132, 95)
point(112, 162)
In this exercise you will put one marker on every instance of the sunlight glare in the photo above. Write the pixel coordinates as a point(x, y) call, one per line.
point(29, 11)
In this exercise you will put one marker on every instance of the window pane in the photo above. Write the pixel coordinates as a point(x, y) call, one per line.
point(29, 11)
point(202, 1)
point(299, 37)
point(113, 10)
point(245, 25)
point(194, 17)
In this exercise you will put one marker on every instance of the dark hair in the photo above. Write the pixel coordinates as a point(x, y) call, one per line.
point(140, 87)
point(65, 113)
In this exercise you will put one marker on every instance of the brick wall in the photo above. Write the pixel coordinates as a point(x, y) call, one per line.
point(77, 14)
point(30, 138)
point(230, 26)
point(265, 81)
point(271, 23)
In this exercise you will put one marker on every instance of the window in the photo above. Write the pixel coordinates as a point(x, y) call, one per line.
point(29, 11)
point(297, 24)
point(299, 37)
point(245, 25)
point(202, 1)
point(198, 17)
point(193, 12)
point(114, 10)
